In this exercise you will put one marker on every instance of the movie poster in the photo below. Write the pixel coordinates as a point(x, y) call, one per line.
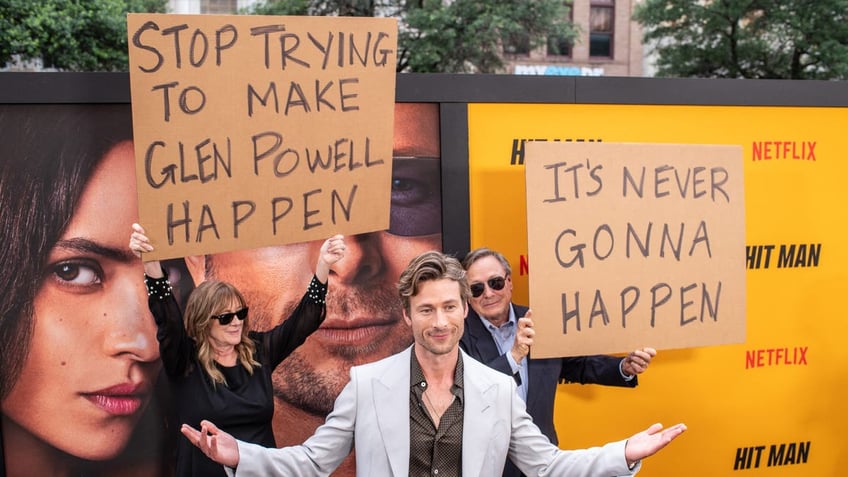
point(82, 388)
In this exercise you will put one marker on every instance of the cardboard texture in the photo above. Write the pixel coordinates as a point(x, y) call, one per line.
point(260, 130)
point(635, 245)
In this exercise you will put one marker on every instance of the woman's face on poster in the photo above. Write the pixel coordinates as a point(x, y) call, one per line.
point(93, 357)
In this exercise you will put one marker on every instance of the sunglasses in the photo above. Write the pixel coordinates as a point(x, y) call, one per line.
point(227, 318)
point(496, 283)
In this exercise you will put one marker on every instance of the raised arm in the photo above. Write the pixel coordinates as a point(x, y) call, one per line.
point(139, 244)
point(284, 338)
point(175, 347)
point(332, 250)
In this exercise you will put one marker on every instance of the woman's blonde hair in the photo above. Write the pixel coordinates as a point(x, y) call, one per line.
point(210, 298)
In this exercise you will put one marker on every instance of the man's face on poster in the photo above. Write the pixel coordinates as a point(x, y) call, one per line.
point(364, 321)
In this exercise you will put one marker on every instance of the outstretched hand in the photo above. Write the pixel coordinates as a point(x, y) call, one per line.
point(215, 443)
point(650, 441)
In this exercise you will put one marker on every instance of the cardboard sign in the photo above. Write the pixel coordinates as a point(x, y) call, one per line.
point(635, 245)
point(260, 130)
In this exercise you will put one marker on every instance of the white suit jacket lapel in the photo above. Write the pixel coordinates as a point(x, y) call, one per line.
point(391, 401)
point(479, 420)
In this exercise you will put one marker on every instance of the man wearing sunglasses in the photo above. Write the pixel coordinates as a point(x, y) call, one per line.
point(364, 321)
point(500, 334)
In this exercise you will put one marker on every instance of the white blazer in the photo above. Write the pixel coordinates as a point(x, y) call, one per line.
point(372, 411)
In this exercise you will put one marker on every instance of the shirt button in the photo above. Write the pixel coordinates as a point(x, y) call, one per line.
point(435, 471)
point(423, 384)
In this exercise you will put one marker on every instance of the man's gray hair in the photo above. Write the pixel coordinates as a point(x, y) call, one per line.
point(483, 252)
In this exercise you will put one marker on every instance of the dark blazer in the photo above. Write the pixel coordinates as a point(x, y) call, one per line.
point(544, 374)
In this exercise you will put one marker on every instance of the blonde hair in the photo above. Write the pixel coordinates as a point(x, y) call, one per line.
point(210, 298)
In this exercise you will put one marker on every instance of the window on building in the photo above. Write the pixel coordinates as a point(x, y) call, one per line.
point(517, 44)
point(559, 45)
point(220, 7)
point(601, 28)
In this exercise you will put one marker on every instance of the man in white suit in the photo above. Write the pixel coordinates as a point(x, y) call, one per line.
point(430, 409)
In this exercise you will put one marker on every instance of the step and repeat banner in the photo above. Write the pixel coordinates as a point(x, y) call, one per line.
point(765, 404)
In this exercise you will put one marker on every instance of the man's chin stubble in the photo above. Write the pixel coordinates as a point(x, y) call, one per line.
point(297, 383)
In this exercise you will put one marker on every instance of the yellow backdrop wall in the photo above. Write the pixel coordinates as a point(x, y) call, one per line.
point(770, 406)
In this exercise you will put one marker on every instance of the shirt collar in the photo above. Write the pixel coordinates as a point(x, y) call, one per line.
point(416, 376)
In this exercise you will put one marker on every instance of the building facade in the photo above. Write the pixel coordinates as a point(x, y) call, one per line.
point(208, 6)
point(609, 43)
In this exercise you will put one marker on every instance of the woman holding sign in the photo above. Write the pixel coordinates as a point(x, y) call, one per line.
point(80, 361)
point(216, 366)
